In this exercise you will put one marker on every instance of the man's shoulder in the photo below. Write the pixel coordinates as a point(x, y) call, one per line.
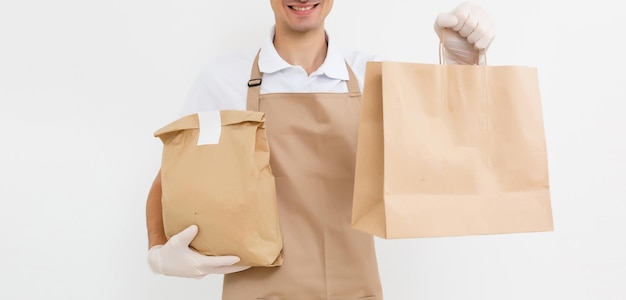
point(233, 64)
point(221, 83)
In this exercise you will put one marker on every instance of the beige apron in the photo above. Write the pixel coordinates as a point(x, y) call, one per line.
point(312, 140)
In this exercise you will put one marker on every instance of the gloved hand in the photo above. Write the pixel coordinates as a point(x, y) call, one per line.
point(175, 258)
point(469, 29)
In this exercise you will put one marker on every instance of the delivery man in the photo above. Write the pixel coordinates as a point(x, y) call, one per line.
point(311, 94)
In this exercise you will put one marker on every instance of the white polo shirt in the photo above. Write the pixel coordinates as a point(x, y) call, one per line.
point(223, 83)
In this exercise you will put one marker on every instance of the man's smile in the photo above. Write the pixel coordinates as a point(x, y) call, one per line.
point(302, 8)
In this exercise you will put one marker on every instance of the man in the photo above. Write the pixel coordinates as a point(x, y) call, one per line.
point(311, 94)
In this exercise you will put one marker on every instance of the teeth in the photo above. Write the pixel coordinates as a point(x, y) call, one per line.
point(298, 8)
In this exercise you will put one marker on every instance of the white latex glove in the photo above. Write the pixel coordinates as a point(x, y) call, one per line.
point(175, 258)
point(469, 30)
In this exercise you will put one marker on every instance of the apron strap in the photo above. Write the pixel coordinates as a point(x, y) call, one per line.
point(353, 83)
point(254, 85)
point(256, 78)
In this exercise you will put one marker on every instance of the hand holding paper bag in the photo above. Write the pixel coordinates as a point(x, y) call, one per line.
point(470, 29)
point(175, 258)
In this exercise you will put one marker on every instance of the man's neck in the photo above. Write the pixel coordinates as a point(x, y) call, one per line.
point(307, 50)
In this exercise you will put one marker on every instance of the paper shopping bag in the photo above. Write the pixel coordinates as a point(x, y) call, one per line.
point(215, 173)
point(450, 150)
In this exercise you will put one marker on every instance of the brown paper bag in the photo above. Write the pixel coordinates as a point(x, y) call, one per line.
point(450, 150)
point(226, 187)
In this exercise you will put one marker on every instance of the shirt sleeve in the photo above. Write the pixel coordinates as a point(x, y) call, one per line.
point(222, 84)
point(198, 95)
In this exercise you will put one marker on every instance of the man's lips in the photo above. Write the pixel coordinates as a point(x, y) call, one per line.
point(302, 8)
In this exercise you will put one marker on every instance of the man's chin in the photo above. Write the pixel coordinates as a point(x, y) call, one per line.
point(306, 28)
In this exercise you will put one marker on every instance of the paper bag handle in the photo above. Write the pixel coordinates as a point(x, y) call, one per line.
point(442, 60)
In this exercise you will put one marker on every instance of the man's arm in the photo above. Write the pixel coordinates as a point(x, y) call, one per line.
point(154, 214)
point(174, 257)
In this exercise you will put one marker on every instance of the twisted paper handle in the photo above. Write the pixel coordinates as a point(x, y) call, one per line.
point(442, 60)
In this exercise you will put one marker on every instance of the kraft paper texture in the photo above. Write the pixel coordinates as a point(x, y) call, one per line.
point(226, 188)
point(451, 150)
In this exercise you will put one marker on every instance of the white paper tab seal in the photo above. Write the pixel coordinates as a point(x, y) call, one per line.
point(210, 126)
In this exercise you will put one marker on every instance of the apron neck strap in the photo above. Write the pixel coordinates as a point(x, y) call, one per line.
point(254, 85)
point(256, 78)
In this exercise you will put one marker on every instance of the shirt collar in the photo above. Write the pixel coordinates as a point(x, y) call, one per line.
point(334, 66)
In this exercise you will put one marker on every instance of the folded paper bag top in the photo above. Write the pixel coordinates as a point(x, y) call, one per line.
point(215, 173)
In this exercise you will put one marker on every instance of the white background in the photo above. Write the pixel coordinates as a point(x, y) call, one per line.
point(84, 84)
